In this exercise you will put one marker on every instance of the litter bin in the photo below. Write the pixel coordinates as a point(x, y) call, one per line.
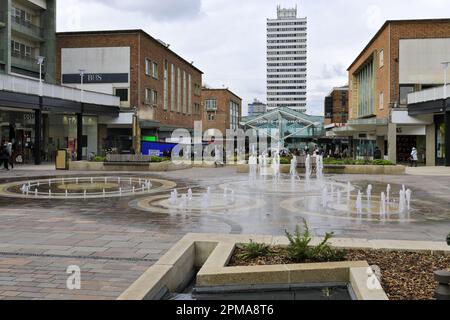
point(62, 160)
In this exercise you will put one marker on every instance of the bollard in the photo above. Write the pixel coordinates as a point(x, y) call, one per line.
point(443, 290)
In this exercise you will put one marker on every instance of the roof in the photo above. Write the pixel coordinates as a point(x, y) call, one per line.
point(388, 22)
point(286, 110)
point(223, 89)
point(127, 31)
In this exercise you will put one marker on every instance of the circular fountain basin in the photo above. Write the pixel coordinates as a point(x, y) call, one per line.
point(84, 187)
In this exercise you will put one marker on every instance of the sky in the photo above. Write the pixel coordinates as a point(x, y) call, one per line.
point(226, 39)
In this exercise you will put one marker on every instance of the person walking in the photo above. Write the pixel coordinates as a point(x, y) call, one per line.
point(414, 157)
point(9, 151)
point(4, 157)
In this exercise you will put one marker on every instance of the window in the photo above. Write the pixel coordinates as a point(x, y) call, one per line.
point(381, 58)
point(196, 108)
point(148, 67)
point(189, 94)
point(155, 70)
point(154, 97)
point(166, 85)
point(151, 97)
point(122, 94)
point(172, 88)
point(184, 93)
point(404, 91)
point(211, 117)
point(179, 90)
point(381, 100)
point(211, 105)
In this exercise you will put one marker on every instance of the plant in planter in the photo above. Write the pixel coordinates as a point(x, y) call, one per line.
point(448, 239)
point(300, 251)
point(254, 250)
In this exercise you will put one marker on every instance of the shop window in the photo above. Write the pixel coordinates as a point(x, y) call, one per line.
point(122, 94)
point(404, 91)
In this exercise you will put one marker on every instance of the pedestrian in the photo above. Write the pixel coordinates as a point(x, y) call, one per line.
point(4, 158)
point(9, 151)
point(414, 157)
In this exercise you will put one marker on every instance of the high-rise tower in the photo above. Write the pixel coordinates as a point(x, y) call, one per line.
point(287, 60)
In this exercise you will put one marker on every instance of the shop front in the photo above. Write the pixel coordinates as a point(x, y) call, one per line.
point(18, 128)
point(39, 124)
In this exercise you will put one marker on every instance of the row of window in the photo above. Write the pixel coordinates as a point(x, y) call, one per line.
point(21, 16)
point(292, 23)
point(287, 64)
point(22, 50)
point(287, 70)
point(276, 53)
point(180, 88)
point(288, 35)
point(288, 105)
point(151, 68)
point(285, 41)
point(298, 93)
point(285, 29)
point(286, 76)
point(287, 88)
point(286, 58)
point(286, 99)
point(285, 81)
point(287, 47)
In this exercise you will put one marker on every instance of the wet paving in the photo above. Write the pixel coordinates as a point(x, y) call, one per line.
point(113, 240)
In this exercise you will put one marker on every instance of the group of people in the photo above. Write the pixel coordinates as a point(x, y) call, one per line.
point(6, 155)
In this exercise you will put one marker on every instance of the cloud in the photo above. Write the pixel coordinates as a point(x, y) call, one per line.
point(166, 10)
point(227, 38)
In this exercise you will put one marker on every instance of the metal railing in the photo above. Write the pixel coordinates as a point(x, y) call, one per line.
point(428, 95)
point(25, 26)
point(29, 86)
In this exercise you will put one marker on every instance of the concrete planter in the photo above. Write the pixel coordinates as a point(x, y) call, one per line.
point(210, 254)
point(341, 169)
point(125, 167)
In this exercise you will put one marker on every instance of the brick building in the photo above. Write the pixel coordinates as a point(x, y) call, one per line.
point(403, 57)
point(222, 110)
point(159, 90)
point(336, 106)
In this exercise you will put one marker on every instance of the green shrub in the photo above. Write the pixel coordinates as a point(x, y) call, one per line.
point(350, 161)
point(254, 250)
point(158, 159)
point(285, 160)
point(381, 162)
point(98, 159)
point(299, 249)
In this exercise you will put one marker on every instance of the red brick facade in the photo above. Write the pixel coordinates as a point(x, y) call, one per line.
point(142, 47)
point(387, 76)
point(221, 118)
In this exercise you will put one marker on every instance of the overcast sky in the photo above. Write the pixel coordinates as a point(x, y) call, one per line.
point(226, 39)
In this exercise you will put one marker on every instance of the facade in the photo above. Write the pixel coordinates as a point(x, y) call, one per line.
point(403, 57)
point(39, 117)
point(27, 31)
point(159, 90)
point(256, 108)
point(336, 106)
point(287, 60)
point(222, 110)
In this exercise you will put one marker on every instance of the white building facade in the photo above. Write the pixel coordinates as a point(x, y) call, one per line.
point(287, 61)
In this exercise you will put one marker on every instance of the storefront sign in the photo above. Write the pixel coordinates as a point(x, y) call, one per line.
point(91, 78)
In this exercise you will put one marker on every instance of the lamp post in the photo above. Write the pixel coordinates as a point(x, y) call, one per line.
point(82, 72)
point(446, 64)
point(40, 61)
